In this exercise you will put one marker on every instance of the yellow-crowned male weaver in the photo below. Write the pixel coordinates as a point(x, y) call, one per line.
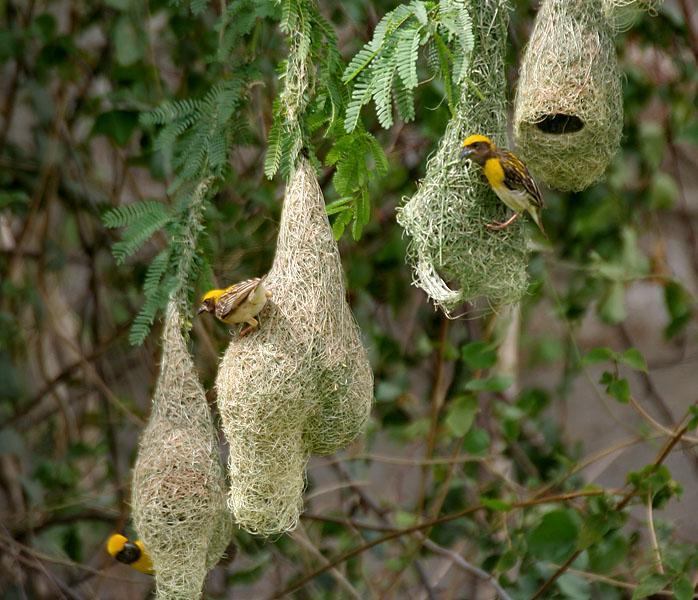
point(238, 303)
point(130, 553)
point(508, 177)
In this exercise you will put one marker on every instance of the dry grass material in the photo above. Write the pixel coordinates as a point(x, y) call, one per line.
point(299, 384)
point(454, 256)
point(178, 489)
point(568, 115)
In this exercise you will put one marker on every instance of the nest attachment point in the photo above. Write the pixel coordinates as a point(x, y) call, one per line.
point(568, 116)
point(299, 384)
point(178, 488)
point(455, 257)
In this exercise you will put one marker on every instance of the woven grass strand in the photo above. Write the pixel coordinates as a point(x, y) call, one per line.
point(568, 115)
point(178, 489)
point(299, 384)
point(622, 14)
point(454, 256)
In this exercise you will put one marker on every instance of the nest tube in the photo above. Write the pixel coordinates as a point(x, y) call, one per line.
point(300, 383)
point(455, 257)
point(568, 115)
point(178, 488)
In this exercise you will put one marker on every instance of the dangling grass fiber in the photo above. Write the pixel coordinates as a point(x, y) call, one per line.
point(568, 114)
point(299, 384)
point(454, 256)
point(623, 13)
point(178, 489)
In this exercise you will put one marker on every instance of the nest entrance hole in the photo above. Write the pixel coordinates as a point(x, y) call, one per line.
point(560, 123)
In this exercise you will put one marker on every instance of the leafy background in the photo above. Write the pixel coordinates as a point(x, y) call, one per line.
point(127, 126)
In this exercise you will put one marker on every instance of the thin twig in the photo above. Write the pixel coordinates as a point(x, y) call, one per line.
point(664, 452)
point(426, 525)
point(466, 566)
point(302, 539)
point(653, 535)
point(616, 583)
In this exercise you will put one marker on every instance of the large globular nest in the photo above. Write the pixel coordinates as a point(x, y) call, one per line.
point(455, 257)
point(299, 384)
point(178, 488)
point(568, 115)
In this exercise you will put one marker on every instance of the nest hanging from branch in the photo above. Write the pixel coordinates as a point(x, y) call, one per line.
point(568, 115)
point(178, 489)
point(455, 257)
point(301, 383)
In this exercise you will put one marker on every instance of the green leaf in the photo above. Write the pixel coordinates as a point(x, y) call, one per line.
point(407, 53)
point(594, 528)
point(496, 383)
point(616, 387)
point(609, 552)
point(597, 355)
point(404, 519)
point(461, 414)
point(506, 561)
point(574, 586)
point(340, 222)
point(338, 206)
point(634, 359)
point(476, 441)
point(128, 42)
point(663, 192)
point(693, 421)
point(118, 4)
point(680, 305)
point(555, 537)
point(682, 588)
point(117, 125)
point(495, 504)
point(650, 584)
point(479, 355)
point(612, 307)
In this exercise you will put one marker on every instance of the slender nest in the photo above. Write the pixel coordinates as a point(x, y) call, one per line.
point(178, 490)
point(568, 116)
point(299, 384)
point(454, 256)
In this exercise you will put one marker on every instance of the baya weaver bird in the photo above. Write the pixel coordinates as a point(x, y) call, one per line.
point(508, 177)
point(238, 303)
point(130, 553)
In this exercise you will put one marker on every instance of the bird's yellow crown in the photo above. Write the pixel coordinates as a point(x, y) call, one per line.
point(471, 139)
point(215, 294)
point(115, 543)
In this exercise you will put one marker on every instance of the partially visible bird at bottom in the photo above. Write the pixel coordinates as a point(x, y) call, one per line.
point(130, 553)
point(508, 177)
point(238, 303)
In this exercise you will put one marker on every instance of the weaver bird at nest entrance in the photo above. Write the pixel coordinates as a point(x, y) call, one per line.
point(508, 177)
point(238, 303)
point(130, 553)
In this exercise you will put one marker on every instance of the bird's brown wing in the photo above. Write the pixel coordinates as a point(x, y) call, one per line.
point(517, 177)
point(234, 296)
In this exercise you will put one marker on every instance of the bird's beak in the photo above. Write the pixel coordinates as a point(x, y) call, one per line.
point(202, 308)
point(466, 152)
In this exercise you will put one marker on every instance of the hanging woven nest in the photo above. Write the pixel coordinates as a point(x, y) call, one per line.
point(455, 257)
point(178, 489)
point(568, 115)
point(299, 384)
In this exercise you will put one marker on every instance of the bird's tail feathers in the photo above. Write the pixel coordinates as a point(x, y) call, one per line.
point(537, 217)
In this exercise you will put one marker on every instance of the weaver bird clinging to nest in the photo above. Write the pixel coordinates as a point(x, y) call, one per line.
point(508, 177)
point(130, 553)
point(239, 303)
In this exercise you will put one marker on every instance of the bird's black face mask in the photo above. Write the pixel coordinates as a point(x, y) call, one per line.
point(130, 553)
